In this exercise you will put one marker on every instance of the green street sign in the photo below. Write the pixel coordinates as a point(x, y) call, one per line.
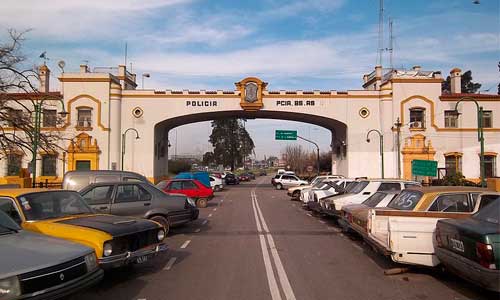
point(424, 167)
point(289, 135)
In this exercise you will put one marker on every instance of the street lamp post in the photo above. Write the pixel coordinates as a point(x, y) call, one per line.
point(480, 134)
point(124, 135)
point(145, 75)
point(317, 149)
point(36, 133)
point(381, 136)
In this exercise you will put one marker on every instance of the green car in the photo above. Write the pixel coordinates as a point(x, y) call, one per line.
point(470, 247)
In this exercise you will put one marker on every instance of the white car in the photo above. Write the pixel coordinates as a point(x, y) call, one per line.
point(333, 189)
point(363, 190)
point(295, 191)
point(284, 180)
point(216, 184)
point(307, 195)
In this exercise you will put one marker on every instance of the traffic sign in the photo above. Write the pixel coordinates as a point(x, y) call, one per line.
point(290, 135)
point(424, 167)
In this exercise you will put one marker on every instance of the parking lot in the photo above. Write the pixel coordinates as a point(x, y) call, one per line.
point(252, 242)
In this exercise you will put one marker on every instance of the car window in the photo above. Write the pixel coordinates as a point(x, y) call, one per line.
point(106, 178)
point(451, 203)
point(189, 185)
point(131, 193)
point(47, 205)
point(389, 186)
point(98, 195)
point(212, 179)
point(131, 179)
point(474, 197)
point(175, 186)
point(490, 212)
point(162, 185)
point(294, 178)
point(8, 207)
point(411, 185)
point(359, 187)
point(277, 177)
point(374, 199)
point(487, 199)
point(406, 200)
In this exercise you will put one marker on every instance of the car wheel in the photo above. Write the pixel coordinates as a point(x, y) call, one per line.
point(295, 195)
point(279, 186)
point(163, 221)
point(202, 203)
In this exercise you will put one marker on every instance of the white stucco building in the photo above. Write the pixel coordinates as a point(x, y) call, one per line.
point(104, 103)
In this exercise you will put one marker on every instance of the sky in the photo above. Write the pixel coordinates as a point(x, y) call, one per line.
point(292, 45)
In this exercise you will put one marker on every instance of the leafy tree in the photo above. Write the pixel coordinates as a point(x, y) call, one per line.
point(467, 86)
point(325, 161)
point(208, 158)
point(231, 142)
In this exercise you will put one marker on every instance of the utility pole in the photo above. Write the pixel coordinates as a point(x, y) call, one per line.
point(380, 32)
point(398, 125)
point(391, 44)
point(317, 150)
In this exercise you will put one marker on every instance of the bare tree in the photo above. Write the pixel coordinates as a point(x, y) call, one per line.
point(296, 157)
point(18, 98)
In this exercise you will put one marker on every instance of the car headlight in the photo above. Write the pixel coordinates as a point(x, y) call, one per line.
point(160, 235)
point(107, 249)
point(91, 262)
point(9, 288)
point(191, 201)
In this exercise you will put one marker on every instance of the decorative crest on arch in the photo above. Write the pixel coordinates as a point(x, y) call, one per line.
point(251, 89)
point(84, 144)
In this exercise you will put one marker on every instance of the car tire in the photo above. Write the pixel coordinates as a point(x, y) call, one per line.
point(279, 186)
point(163, 221)
point(295, 195)
point(201, 202)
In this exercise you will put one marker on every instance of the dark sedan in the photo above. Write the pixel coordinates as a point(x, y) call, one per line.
point(231, 179)
point(470, 247)
point(140, 199)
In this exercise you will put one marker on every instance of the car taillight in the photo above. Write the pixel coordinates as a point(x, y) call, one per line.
point(485, 255)
point(438, 237)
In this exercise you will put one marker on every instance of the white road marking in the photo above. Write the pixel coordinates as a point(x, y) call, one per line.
point(273, 286)
point(204, 222)
point(215, 209)
point(322, 222)
point(186, 243)
point(285, 283)
point(209, 215)
point(310, 215)
point(197, 230)
point(222, 200)
point(170, 263)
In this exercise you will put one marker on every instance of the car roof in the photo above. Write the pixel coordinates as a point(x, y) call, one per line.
point(17, 192)
point(444, 189)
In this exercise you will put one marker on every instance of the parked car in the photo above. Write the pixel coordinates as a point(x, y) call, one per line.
point(231, 179)
point(355, 216)
point(216, 174)
point(201, 176)
point(139, 199)
point(333, 187)
point(216, 183)
point(251, 175)
point(244, 177)
point(294, 191)
point(116, 240)
point(405, 229)
point(284, 180)
point(33, 265)
point(263, 173)
point(77, 180)
point(333, 205)
point(189, 187)
point(470, 247)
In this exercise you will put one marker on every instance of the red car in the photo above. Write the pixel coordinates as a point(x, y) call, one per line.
point(244, 177)
point(189, 187)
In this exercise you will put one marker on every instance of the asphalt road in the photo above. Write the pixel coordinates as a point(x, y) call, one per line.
point(252, 242)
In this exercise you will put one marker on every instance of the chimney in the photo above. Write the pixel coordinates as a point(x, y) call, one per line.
point(456, 81)
point(84, 69)
point(44, 73)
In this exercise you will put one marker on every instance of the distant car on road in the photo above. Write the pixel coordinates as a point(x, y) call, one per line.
point(262, 173)
point(231, 179)
point(216, 183)
point(140, 199)
point(189, 187)
point(251, 175)
point(31, 263)
point(244, 177)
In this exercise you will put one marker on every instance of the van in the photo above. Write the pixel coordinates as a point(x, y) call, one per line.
point(77, 180)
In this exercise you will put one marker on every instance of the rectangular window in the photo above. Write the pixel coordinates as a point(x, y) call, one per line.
point(490, 166)
point(84, 117)
point(49, 165)
point(417, 118)
point(16, 118)
point(49, 118)
point(450, 119)
point(83, 165)
point(453, 164)
point(487, 119)
point(13, 164)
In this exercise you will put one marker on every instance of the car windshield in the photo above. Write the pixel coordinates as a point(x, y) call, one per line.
point(406, 200)
point(7, 225)
point(374, 199)
point(48, 205)
point(490, 212)
point(358, 188)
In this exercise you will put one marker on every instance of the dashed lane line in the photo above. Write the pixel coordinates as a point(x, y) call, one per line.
point(186, 243)
point(197, 230)
point(215, 209)
point(204, 222)
point(170, 263)
point(209, 215)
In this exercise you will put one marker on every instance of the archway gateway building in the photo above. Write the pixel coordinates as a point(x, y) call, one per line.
point(104, 103)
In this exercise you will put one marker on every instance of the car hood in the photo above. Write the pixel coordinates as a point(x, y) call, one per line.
point(113, 225)
point(26, 251)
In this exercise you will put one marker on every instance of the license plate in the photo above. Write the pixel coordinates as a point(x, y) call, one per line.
point(142, 259)
point(457, 245)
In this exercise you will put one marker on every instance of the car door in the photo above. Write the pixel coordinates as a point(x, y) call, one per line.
point(131, 199)
point(99, 198)
point(190, 189)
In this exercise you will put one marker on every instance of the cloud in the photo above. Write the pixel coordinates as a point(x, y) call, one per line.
point(293, 8)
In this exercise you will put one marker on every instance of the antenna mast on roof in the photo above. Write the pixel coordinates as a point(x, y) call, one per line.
point(391, 44)
point(125, 63)
point(380, 32)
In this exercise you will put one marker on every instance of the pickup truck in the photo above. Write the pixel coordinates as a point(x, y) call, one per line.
point(405, 229)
